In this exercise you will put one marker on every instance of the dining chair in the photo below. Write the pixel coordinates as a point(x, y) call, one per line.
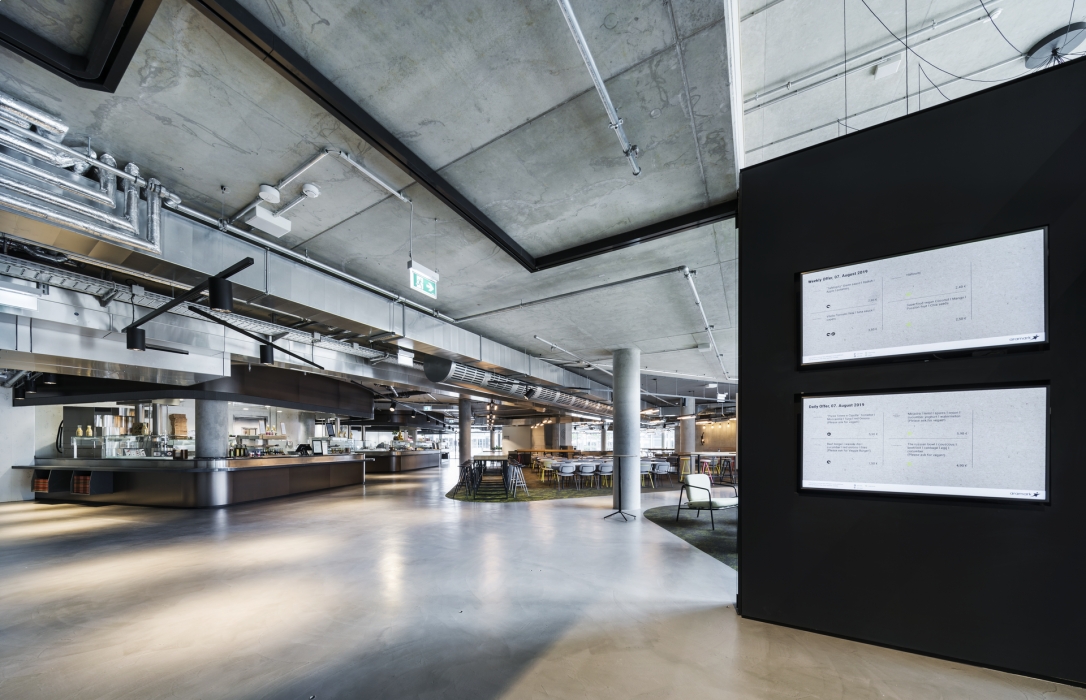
point(699, 496)
point(586, 471)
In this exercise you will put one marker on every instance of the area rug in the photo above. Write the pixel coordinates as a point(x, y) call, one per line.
point(720, 544)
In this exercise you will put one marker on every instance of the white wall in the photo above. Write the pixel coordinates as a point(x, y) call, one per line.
point(46, 421)
point(17, 437)
point(516, 437)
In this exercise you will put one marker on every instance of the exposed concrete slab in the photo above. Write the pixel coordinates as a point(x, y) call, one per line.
point(69, 24)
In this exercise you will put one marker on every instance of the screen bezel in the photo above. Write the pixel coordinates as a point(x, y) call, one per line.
point(922, 354)
point(864, 493)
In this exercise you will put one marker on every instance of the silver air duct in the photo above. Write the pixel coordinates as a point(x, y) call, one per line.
point(42, 178)
point(442, 371)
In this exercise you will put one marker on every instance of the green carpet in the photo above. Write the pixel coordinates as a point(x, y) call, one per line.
point(720, 544)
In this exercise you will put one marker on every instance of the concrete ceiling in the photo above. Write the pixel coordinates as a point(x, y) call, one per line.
point(494, 96)
point(795, 94)
point(69, 24)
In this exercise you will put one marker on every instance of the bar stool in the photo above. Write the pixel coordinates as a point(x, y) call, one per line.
point(684, 467)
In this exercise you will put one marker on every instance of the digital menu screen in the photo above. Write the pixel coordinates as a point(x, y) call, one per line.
point(981, 294)
point(990, 443)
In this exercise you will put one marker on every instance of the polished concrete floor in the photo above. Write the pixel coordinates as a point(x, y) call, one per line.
point(393, 591)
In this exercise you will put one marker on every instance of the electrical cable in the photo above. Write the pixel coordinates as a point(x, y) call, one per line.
point(992, 20)
point(1070, 17)
point(933, 84)
point(909, 50)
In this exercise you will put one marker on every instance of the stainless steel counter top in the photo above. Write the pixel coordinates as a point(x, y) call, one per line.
point(141, 464)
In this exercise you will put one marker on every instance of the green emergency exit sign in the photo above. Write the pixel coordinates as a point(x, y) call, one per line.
point(422, 279)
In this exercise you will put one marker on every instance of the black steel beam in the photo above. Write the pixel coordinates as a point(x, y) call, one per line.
point(643, 234)
point(189, 295)
point(251, 336)
point(247, 29)
point(116, 38)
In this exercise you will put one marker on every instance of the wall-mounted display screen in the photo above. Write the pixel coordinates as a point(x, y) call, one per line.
point(986, 293)
point(989, 443)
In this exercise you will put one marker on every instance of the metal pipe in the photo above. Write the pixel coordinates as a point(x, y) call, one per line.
point(42, 120)
point(572, 294)
point(15, 378)
point(689, 274)
point(851, 59)
point(225, 227)
point(629, 150)
point(65, 203)
point(72, 222)
point(55, 180)
point(106, 179)
point(57, 148)
point(577, 357)
point(346, 158)
point(301, 169)
point(132, 197)
point(46, 154)
point(154, 212)
point(894, 101)
point(291, 204)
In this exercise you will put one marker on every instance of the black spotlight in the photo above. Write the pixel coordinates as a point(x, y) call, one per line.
point(31, 386)
point(221, 293)
point(393, 406)
point(267, 355)
point(49, 379)
point(20, 393)
point(137, 339)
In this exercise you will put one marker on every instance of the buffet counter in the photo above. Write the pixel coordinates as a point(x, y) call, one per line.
point(191, 483)
point(395, 461)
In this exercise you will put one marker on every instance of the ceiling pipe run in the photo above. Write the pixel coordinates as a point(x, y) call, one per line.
point(442, 371)
point(689, 274)
point(629, 150)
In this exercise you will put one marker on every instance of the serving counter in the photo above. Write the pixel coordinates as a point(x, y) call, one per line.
point(191, 483)
point(395, 461)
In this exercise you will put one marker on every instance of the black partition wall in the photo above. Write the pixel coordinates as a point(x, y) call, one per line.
point(993, 583)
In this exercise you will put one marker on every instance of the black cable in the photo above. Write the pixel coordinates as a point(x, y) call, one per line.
point(992, 20)
point(1069, 18)
point(933, 84)
point(908, 49)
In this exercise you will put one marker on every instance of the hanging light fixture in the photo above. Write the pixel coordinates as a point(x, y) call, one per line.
point(137, 339)
point(267, 355)
point(220, 294)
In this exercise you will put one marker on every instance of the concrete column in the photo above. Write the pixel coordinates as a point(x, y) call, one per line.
point(627, 437)
point(212, 429)
point(687, 429)
point(603, 436)
point(465, 428)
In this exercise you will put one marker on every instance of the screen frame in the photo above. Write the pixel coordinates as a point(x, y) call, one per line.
point(923, 354)
point(799, 398)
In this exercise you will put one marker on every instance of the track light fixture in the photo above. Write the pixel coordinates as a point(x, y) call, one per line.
point(393, 406)
point(19, 393)
point(220, 294)
point(267, 355)
point(31, 386)
point(136, 339)
point(49, 379)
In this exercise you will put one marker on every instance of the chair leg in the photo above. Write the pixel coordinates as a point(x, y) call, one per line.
point(711, 521)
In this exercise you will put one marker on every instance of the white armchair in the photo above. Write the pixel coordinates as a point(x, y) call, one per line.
point(697, 488)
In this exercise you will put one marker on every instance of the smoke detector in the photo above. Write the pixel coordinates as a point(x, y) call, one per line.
point(269, 194)
point(1053, 49)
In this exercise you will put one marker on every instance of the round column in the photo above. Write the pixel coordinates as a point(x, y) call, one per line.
point(685, 442)
point(212, 429)
point(627, 433)
point(465, 428)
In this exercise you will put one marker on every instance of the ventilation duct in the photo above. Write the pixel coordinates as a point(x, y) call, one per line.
point(439, 370)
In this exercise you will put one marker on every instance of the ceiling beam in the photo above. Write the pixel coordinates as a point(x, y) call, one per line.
point(273, 51)
point(642, 234)
point(116, 38)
